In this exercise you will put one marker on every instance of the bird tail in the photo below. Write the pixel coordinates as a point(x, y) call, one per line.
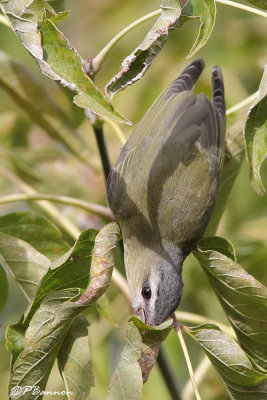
point(218, 91)
point(187, 79)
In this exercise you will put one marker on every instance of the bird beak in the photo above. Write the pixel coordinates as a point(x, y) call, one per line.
point(140, 313)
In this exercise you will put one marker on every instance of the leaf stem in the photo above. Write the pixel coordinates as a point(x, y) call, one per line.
point(248, 100)
point(4, 21)
point(102, 147)
point(92, 208)
point(66, 224)
point(168, 375)
point(243, 7)
point(199, 374)
point(117, 130)
point(200, 319)
point(187, 359)
point(99, 58)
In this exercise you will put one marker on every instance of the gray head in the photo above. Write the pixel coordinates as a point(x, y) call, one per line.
point(155, 283)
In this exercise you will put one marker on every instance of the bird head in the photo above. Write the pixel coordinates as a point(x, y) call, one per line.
point(155, 290)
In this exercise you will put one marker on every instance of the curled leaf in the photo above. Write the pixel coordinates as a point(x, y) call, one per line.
point(205, 11)
point(136, 64)
point(102, 263)
point(152, 337)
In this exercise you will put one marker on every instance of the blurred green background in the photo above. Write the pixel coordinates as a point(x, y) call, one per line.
point(238, 44)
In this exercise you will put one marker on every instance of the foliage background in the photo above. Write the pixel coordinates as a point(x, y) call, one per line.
point(238, 45)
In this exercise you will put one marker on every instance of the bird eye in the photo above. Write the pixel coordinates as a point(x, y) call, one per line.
point(146, 292)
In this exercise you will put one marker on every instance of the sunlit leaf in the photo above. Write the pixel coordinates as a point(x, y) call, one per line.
point(55, 56)
point(26, 264)
point(241, 379)
point(136, 64)
point(256, 135)
point(36, 230)
point(3, 288)
point(74, 360)
point(243, 298)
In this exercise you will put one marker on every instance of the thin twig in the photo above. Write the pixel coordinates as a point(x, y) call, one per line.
point(243, 7)
point(117, 130)
point(92, 208)
point(168, 375)
point(4, 21)
point(57, 216)
point(200, 319)
point(199, 373)
point(64, 222)
point(98, 60)
point(177, 327)
point(248, 100)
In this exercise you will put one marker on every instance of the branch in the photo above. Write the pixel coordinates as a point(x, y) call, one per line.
point(92, 208)
point(243, 7)
point(102, 147)
point(98, 60)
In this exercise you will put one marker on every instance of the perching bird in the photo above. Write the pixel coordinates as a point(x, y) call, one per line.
point(163, 189)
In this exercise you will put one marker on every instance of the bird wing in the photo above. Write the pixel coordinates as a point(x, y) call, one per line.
point(176, 127)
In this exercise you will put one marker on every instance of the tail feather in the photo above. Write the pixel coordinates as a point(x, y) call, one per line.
point(218, 91)
point(187, 79)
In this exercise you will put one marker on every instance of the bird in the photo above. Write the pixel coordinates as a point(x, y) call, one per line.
point(163, 189)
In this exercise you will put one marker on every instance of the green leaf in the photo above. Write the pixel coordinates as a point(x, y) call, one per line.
point(241, 379)
point(72, 270)
point(43, 339)
point(234, 155)
point(31, 96)
point(256, 135)
point(36, 230)
point(126, 382)
point(205, 11)
point(3, 288)
point(218, 244)
point(136, 64)
point(55, 56)
point(243, 298)
point(26, 264)
point(74, 360)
